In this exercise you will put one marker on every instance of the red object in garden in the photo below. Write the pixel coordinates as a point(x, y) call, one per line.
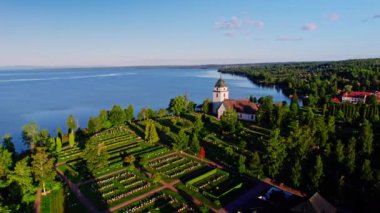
point(202, 153)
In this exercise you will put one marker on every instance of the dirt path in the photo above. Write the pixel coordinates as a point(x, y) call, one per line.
point(75, 189)
point(203, 160)
point(284, 188)
point(37, 203)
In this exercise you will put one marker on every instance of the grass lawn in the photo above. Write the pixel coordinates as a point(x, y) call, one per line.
point(53, 202)
point(197, 195)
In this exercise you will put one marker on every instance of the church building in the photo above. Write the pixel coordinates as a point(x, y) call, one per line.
point(220, 103)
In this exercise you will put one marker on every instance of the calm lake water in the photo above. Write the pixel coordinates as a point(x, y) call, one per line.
point(47, 97)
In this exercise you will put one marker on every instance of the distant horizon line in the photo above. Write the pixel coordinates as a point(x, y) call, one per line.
point(205, 65)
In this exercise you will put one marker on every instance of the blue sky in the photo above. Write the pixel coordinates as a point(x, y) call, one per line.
point(152, 32)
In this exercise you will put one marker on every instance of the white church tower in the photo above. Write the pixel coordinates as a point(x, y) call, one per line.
point(219, 94)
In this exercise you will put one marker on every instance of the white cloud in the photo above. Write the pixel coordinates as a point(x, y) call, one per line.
point(256, 23)
point(288, 38)
point(310, 27)
point(229, 24)
point(235, 25)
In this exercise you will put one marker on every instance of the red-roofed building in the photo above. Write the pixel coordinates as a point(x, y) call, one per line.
point(246, 110)
point(355, 97)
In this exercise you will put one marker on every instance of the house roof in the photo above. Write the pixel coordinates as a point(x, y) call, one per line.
point(242, 106)
point(315, 203)
point(357, 94)
point(220, 83)
point(361, 95)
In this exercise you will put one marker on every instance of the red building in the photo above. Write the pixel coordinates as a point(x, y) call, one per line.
point(355, 97)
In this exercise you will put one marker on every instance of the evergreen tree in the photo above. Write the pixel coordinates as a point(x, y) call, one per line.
point(206, 106)
point(198, 124)
point(351, 155)
point(44, 137)
point(366, 172)
point(94, 125)
point(366, 138)
point(31, 134)
point(95, 154)
point(181, 140)
point(51, 145)
point(22, 175)
point(58, 146)
point(162, 113)
point(296, 174)
point(117, 116)
point(103, 117)
point(229, 120)
point(242, 168)
point(71, 139)
point(194, 144)
point(148, 123)
point(59, 133)
point(71, 123)
point(339, 152)
point(153, 136)
point(294, 106)
point(129, 113)
point(43, 168)
point(317, 174)
point(8, 144)
point(274, 153)
point(255, 165)
point(5, 164)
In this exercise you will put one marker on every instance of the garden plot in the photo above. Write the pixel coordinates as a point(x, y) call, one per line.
point(117, 188)
point(175, 166)
point(159, 202)
point(214, 184)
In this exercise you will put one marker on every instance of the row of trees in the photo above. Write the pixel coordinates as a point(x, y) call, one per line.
point(318, 81)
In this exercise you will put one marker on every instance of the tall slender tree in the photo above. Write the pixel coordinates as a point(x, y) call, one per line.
point(296, 174)
point(31, 134)
point(366, 138)
point(351, 155)
point(8, 144)
point(317, 173)
point(274, 153)
point(255, 165)
point(42, 167)
point(5, 164)
point(71, 123)
point(71, 139)
point(129, 113)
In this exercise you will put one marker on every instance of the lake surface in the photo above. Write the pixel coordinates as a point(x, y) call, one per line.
point(47, 97)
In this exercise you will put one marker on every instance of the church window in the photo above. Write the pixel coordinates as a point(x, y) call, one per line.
point(216, 94)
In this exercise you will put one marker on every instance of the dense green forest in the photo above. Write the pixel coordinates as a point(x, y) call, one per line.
point(318, 80)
